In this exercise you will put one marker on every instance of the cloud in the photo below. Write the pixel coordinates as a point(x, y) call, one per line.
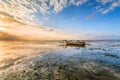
point(16, 18)
point(111, 7)
point(78, 2)
point(7, 18)
point(107, 5)
point(97, 7)
point(26, 9)
point(90, 16)
point(32, 32)
point(104, 1)
point(14, 30)
point(7, 36)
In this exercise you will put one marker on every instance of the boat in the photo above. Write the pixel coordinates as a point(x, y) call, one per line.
point(71, 43)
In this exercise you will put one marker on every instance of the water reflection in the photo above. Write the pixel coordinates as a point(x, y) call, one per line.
point(67, 46)
point(50, 61)
point(14, 52)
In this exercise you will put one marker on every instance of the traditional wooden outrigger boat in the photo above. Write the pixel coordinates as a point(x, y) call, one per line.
point(71, 43)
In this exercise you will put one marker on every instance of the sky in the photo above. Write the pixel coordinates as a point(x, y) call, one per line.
point(59, 19)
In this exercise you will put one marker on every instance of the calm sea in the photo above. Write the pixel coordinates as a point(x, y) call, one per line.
point(52, 60)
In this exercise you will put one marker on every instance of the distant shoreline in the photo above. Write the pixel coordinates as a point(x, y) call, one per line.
point(89, 40)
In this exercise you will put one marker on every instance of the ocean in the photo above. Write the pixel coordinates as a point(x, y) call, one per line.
point(52, 60)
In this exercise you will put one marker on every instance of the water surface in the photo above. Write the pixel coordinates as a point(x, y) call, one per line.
point(50, 60)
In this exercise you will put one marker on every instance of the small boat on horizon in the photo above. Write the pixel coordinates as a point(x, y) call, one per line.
point(77, 43)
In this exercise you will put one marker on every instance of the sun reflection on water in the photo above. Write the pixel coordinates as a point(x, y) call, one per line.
point(13, 51)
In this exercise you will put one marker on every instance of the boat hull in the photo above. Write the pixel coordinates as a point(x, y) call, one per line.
point(75, 44)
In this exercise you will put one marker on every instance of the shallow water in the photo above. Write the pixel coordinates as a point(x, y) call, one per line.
point(34, 60)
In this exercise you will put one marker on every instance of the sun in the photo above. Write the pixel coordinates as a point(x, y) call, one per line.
point(2, 29)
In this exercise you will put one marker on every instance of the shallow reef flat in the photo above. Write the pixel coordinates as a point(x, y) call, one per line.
point(50, 61)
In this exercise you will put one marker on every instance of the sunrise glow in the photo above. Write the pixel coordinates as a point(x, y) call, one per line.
point(2, 29)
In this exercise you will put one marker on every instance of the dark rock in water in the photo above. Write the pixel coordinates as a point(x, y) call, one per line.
point(35, 68)
point(111, 55)
point(23, 71)
point(35, 74)
point(60, 67)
